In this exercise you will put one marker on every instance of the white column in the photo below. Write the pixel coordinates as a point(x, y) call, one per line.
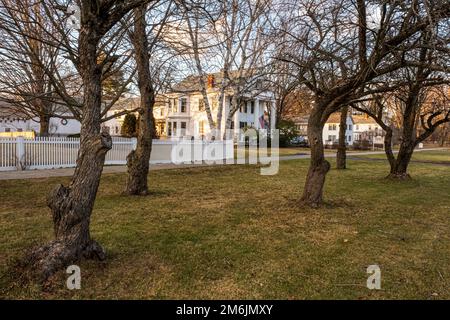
point(257, 114)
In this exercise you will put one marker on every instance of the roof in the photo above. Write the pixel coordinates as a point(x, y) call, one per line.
point(300, 119)
point(192, 83)
point(7, 110)
point(334, 118)
point(363, 119)
point(134, 102)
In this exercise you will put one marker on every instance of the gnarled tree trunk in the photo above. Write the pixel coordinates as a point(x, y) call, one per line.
point(138, 161)
point(72, 206)
point(399, 168)
point(341, 156)
point(319, 167)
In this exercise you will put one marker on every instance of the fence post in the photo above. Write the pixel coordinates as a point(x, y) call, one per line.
point(20, 153)
point(134, 143)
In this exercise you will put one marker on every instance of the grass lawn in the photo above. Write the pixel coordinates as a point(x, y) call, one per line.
point(229, 233)
point(432, 155)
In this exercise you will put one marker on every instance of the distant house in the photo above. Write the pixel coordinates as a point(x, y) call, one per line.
point(13, 121)
point(359, 129)
point(186, 115)
point(331, 130)
point(367, 129)
point(114, 125)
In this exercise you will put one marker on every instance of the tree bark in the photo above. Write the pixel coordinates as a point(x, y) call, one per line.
point(388, 145)
point(44, 122)
point(399, 167)
point(341, 156)
point(444, 135)
point(138, 161)
point(319, 167)
point(72, 206)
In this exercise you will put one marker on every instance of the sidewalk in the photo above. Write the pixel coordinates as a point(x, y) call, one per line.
point(68, 172)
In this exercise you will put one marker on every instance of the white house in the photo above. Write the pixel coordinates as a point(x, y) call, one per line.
point(331, 129)
point(116, 115)
point(186, 115)
point(359, 129)
point(13, 121)
point(367, 129)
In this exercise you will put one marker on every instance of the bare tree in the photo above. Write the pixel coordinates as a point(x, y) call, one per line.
point(341, 156)
point(338, 51)
point(422, 108)
point(228, 36)
point(23, 81)
point(92, 51)
point(138, 161)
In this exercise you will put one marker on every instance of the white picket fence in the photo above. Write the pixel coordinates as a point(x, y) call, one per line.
point(52, 152)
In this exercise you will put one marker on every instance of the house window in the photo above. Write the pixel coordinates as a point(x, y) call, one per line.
point(252, 107)
point(169, 129)
point(201, 104)
point(232, 125)
point(242, 125)
point(332, 138)
point(20, 130)
point(183, 128)
point(7, 129)
point(349, 138)
point(245, 107)
point(175, 129)
point(183, 105)
point(332, 127)
point(350, 127)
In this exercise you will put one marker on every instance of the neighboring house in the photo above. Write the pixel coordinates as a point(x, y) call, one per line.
point(186, 115)
point(331, 130)
point(367, 129)
point(301, 125)
point(13, 121)
point(360, 128)
point(114, 125)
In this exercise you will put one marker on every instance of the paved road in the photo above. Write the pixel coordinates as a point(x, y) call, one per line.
point(40, 174)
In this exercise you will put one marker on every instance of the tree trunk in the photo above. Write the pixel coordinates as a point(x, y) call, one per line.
point(221, 106)
point(388, 146)
point(319, 167)
point(341, 156)
point(44, 122)
point(72, 206)
point(138, 161)
point(231, 112)
point(444, 135)
point(399, 168)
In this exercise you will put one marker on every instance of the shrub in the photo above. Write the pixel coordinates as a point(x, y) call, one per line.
point(129, 126)
point(287, 132)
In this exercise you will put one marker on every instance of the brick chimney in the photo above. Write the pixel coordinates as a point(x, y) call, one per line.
point(211, 81)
